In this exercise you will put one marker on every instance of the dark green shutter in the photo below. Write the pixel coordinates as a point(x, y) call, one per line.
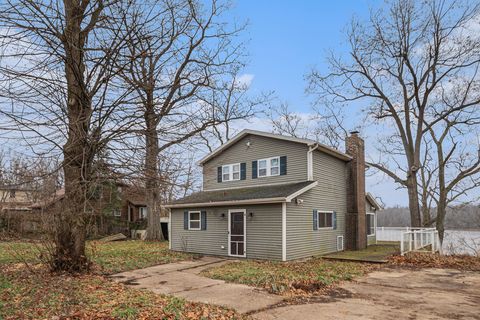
point(185, 220)
point(254, 169)
point(243, 171)
point(203, 218)
point(315, 220)
point(219, 174)
point(283, 165)
point(334, 220)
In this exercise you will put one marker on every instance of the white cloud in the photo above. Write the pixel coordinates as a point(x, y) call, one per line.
point(245, 80)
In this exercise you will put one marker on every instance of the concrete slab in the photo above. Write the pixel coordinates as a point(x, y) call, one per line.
point(182, 279)
point(239, 297)
point(173, 282)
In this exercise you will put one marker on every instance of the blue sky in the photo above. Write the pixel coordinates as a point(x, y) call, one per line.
point(286, 39)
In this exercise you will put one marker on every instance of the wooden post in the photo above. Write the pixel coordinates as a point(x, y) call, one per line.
point(402, 246)
point(409, 241)
point(433, 240)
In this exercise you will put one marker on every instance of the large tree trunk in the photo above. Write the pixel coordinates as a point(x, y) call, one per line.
point(154, 228)
point(441, 212)
point(70, 223)
point(442, 193)
point(413, 201)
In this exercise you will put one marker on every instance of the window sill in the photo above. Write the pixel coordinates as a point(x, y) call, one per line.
point(325, 228)
point(275, 175)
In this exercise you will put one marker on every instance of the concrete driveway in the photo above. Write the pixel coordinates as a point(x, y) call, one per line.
point(394, 294)
point(385, 294)
point(182, 279)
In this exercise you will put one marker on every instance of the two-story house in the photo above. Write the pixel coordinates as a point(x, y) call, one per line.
point(269, 196)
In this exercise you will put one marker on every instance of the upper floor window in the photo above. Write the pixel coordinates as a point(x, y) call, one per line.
point(231, 172)
point(269, 167)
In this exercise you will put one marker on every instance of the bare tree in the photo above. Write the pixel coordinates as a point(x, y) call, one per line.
point(324, 124)
point(453, 172)
point(399, 60)
point(182, 60)
point(56, 67)
point(234, 104)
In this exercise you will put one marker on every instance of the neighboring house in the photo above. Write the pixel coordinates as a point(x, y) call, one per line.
point(268, 196)
point(114, 199)
point(15, 209)
point(15, 198)
point(119, 207)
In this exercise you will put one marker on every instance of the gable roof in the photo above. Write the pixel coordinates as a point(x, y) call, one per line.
point(248, 195)
point(329, 150)
point(373, 201)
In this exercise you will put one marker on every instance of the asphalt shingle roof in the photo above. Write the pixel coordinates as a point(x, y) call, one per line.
point(249, 193)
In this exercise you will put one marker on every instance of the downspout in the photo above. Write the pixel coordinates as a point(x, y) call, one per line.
point(311, 148)
point(284, 231)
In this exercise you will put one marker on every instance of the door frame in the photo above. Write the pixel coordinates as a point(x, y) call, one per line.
point(244, 232)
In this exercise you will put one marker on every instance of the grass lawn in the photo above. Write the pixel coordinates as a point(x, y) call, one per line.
point(35, 293)
point(110, 257)
point(373, 253)
point(290, 278)
point(41, 295)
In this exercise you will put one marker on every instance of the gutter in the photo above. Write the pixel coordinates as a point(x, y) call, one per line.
point(286, 199)
point(227, 203)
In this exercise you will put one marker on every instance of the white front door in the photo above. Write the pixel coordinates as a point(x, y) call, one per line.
point(237, 232)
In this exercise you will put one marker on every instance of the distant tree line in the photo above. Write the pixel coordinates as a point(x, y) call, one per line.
point(462, 217)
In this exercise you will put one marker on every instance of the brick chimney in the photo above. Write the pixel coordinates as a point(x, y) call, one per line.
point(356, 226)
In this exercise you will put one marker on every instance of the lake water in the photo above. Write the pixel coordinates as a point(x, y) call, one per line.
point(454, 242)
point(461, 242)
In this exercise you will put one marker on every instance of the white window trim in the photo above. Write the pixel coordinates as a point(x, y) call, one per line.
point(318, 220)
point(230, 172)
point(374, 224)
point(199, 220)
point(140, 210)
point(269, 167)
point(117, 213)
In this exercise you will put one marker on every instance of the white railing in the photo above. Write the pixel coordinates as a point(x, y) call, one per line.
point(419, 239)
point(411, 239)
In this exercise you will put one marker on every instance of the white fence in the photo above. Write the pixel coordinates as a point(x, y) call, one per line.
point(411, 239)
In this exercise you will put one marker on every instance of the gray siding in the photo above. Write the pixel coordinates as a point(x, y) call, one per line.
point(260, 147)
point(329, 195)
point(264, 232)
point(369, 207)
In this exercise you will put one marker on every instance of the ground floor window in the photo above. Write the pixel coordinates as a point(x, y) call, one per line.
point(117, 213)
point(142, 212)
point(370, 224)
point(325, 219)
point(194, 220)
